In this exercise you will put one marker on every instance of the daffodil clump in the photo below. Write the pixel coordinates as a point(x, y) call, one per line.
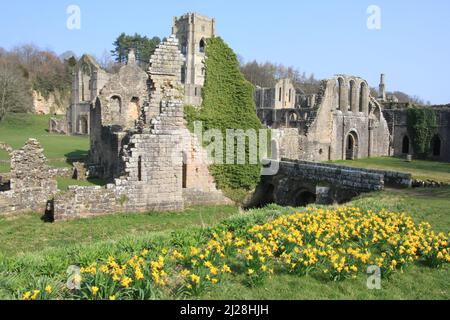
point(339, 243)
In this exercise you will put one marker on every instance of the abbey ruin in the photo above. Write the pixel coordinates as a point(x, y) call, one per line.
point(140, 143)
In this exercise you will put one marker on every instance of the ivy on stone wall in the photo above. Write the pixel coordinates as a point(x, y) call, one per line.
point(228, 103)
point(422, 127)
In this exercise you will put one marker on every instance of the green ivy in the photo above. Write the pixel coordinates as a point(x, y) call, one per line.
point(228, 103)
point(422, 127)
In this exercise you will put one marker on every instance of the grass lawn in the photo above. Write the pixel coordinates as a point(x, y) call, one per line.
point(28, 234)
point(33, 249)
point(420, 169)
point(16, 129)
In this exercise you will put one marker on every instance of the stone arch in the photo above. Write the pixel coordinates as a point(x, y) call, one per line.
point(436, 146)
point(352, 96)
point(406, 145)
point(202, 46)
point(364, 98)
point(133, 110)
point(304, 197)
point(351, 145)
point(341, 94)
point(84, 125)
point(115, 104)
point(292, 116)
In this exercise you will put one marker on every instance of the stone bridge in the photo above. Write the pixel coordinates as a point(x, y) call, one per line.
point(298, 183)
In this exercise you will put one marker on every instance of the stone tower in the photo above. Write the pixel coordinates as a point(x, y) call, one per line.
point(192, 30)
point(382, 88)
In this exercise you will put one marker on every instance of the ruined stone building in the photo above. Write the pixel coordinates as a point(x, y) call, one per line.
point(141, 145)
point(88, 79)
point(396, 114)
point(192, 30)
point(402, 142)
point(30, 183)
point(340, 121)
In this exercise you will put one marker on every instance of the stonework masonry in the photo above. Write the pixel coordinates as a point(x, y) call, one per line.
point(340, 122)
point(151, 159)
point(299, 183)
point(30, 185)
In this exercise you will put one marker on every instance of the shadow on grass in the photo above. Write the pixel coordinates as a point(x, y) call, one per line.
point(76, 156)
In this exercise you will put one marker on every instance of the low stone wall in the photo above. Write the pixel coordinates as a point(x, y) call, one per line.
point(193, 197)
point(344, 177)
point(390, 178)
point(85, 202)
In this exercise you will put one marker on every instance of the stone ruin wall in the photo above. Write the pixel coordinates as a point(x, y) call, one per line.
point(323, 135)
point(31, 183)
point(152, 173)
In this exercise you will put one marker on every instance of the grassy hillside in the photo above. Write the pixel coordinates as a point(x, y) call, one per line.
point(420, 169)
point(16, 129)
point(39, 253)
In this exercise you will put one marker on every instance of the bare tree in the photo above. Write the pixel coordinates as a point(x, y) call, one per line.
point(14, 91)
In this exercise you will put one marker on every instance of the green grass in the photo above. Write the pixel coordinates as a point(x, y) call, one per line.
point(28, 234)
point(33, 249)
point(420, 169)
point(16, 129)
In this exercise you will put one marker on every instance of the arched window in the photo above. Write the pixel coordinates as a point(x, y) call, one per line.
point(140, 168)
point(134, 110)
point(351, 96)
point(202, 46)
point(436, 145)
point(364, 98)
point(115, 104)
point(184, 48)
point(340, 97)
point(293, 116)
point(405, 145)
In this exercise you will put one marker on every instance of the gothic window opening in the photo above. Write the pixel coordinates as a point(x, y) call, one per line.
point(140, 168)
point(202, 46)
point(436, 144)
point(405, 145)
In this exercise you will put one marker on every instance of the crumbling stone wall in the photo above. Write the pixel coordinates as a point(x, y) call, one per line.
point(341, 122)
point(144, 161)
point(30, 183)
point(401, 141)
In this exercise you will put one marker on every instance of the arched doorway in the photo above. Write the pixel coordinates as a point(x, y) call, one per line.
point(436, 146)
point(352, 146)
point(84, 129)
point(405, 145)
point(304, 197)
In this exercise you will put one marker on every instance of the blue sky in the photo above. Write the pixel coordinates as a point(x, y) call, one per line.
point(323, 37)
